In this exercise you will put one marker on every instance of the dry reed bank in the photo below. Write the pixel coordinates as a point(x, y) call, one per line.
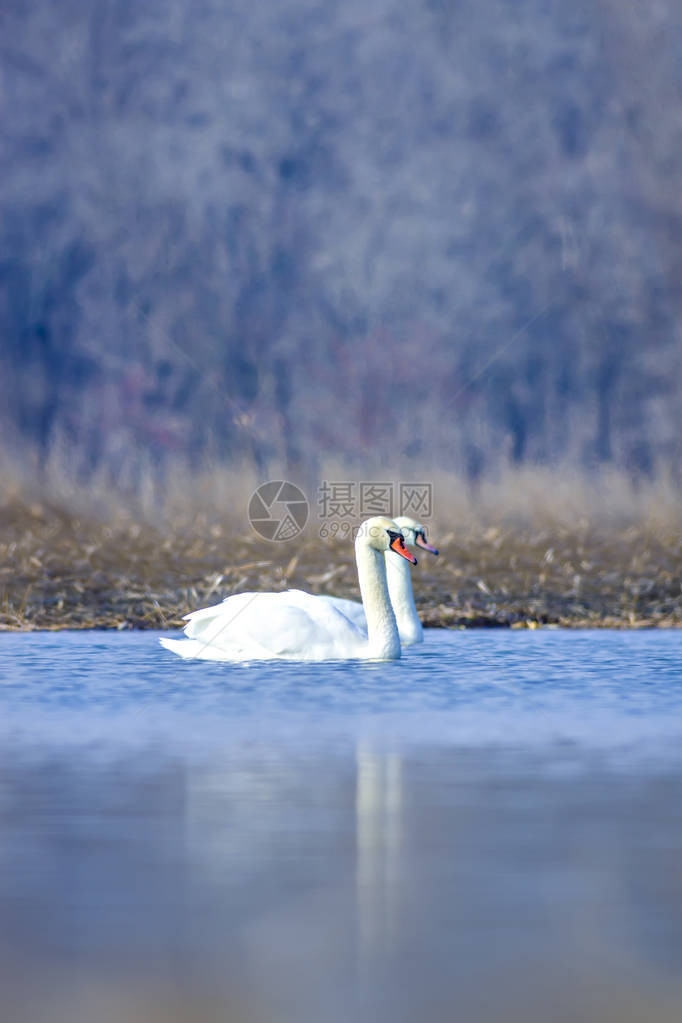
point(531, 564)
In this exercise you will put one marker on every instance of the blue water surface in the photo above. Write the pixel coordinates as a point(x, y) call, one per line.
point(594, 689)
point(488, 828)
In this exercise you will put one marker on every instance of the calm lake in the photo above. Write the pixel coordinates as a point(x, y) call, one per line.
point(489, 828)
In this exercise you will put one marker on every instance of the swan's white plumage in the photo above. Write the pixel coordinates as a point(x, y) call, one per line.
point(352, 609)
point(262, 626)
point(300, 626)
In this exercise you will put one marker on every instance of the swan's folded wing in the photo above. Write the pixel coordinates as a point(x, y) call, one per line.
point(264, 625)
point(280, 628)
point(236, 626)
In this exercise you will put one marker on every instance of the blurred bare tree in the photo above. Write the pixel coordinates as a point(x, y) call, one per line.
point(443, 228)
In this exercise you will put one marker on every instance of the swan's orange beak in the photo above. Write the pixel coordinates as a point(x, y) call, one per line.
point(422, 542)
point(398, 545)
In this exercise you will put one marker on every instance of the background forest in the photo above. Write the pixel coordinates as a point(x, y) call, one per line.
point(279, 232)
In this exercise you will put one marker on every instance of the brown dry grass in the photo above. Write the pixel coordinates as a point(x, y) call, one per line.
point(528, 550)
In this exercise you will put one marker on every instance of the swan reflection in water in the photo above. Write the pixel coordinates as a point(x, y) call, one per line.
point(250, 823)
point(379, 852)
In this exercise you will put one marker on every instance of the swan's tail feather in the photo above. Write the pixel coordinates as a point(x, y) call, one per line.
point(183, 647)
point(201, 650)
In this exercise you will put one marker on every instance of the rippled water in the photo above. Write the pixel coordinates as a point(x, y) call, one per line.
point(488, 827)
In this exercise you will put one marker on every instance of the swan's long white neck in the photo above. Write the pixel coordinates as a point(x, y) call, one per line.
point(399, 578)
point(382, 630)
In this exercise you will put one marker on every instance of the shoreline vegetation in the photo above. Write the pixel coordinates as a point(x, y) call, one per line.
point(82, 569)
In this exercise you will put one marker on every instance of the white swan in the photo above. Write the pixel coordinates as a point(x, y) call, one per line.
point(299, 626)
point(399, 580)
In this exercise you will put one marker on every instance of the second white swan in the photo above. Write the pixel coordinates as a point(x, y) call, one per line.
point(399, 578)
